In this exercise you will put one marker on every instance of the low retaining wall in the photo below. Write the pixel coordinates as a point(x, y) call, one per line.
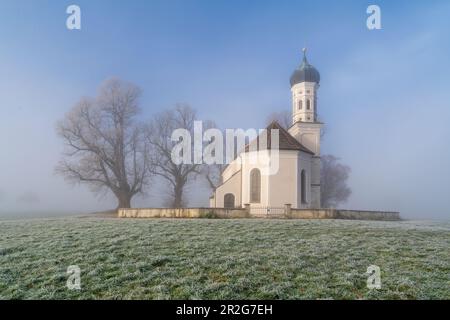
point(245, 213)
point(183, 213)
point(312, 214)
point(343, 214)
point(367, 215)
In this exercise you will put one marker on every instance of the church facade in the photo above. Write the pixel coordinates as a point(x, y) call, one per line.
point(297, 180)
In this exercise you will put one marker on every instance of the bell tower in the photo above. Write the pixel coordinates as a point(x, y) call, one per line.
point(305, 126)
point(304, 86)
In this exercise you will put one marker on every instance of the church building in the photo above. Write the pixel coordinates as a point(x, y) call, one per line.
point(297, 180)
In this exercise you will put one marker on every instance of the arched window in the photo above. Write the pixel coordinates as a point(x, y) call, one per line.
point(303, 186)
point(228, 201)
point(255, 186)
point(308, 104)
point(300, 104)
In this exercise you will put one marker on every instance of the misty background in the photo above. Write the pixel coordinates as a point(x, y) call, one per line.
point(384, 94)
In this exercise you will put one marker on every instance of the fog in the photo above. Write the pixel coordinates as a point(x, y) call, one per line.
point(384, 96)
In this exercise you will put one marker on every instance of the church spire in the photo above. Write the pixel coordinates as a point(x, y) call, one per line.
point(305, 61)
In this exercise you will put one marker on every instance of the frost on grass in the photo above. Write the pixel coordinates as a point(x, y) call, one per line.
point(223, 259)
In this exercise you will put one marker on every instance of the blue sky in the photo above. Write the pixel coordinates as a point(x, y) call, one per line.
point(384, 94)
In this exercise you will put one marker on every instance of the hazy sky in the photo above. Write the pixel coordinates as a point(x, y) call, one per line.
point(384, 94)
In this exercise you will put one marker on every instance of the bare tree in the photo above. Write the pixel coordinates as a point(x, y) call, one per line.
point(334, 175)
point(159, 135)
point(105, 146)
point(284, 118)
point(213, 175)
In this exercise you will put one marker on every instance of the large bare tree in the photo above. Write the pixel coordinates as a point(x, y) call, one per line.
point(333, 186)
point(105, 145)
point(213, 175)
point(159, 135)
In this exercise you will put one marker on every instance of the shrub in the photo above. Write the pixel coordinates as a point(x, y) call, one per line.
point(209, 215)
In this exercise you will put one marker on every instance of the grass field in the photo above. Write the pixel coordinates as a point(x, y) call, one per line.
point(223, 259)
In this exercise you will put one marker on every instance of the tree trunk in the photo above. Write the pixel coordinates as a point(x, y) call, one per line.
point(124, 200)
point(178, 196)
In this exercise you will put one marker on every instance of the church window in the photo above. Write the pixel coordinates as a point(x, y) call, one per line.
point(255, 186)
point(300, 104)
point(228, 201)
point(303, 186)
point(308, 104)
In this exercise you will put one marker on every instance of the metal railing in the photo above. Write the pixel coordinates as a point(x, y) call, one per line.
point(267, 211)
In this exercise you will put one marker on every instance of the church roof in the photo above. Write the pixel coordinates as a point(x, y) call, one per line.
point(287, 141)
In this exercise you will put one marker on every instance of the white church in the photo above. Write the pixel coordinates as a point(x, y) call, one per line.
point(297, 180)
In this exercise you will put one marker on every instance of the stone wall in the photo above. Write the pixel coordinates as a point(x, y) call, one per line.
point(343, 214)
point(312, 214)
point(183, 213)
point(367, 215)
point(245, 213)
